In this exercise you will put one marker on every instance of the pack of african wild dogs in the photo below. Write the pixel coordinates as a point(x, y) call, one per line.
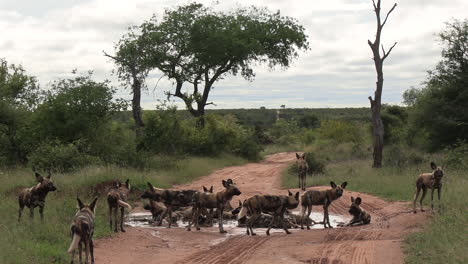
point(202, 206)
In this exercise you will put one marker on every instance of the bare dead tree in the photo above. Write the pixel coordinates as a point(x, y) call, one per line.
point(376, 103)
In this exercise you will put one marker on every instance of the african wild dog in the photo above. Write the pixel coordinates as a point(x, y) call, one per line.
point(432, 181)
point(117, 198)
point(324, 198)
point(204, 201)
point(360, 216)
point(302, 169)
point(276, 204)
point(35, 196)
point(82, 230)
point(170, 198)
point(156, 209)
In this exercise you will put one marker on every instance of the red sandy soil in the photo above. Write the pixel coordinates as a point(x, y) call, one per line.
point(378, 242)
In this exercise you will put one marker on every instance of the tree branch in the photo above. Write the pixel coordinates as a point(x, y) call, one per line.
point(391, 10)
point(373, 2)
point(388, 53)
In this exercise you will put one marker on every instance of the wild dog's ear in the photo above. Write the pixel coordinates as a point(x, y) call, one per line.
point(211, 189)
point(289, 193)
point(352, 199)
point(297, 156)
point(229, 181)
point(39, 178)
point(127, 183)
point(297, 196)
point(343, 185)
point(92, 206)
point(150, 186)
point(80, 203)
point(205, 189)
point(358, 201)
point(303, 155)
point(225, 184)
point(333, 184)
point(240, 203)
point(433, 165)
point(49, 174)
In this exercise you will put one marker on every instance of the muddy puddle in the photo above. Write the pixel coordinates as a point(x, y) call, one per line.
point(144, 220)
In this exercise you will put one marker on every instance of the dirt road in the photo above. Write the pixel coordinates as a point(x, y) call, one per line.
point(379, 242)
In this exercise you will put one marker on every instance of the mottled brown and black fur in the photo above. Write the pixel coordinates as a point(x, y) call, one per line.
point(324, 198)
point(205, 200)
point(170, 198)
point(431, 181)
point(276, 204)
point(82, 230)
point(156, 209)
point(35, 196)
point(302, 169)
point(360, 216)
point(117, 198)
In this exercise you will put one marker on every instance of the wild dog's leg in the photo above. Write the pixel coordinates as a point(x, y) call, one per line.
point(416, 195)
point(422, 198)
point(115, 218)
point(328, 219)
point(210, 217)
point(309, 210)
point(285, 228)
point(110, 217)
point(251, 221)
point(91, 250)
point(303, 209)
point(273, 218)
point(305, 181)
point(80, 250)
point(86, 244)
point(122, 211)
point(169, 209)
point(220, 219)
point(432, 199)
point(41, 212)
point(31, 212)
point(20, 211)
point(299, 179)
point(438, 195)
point(163, 215)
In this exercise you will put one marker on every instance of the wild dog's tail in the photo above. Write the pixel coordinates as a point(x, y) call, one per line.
point(75, 240)
point(124, 204)
point(242, 213)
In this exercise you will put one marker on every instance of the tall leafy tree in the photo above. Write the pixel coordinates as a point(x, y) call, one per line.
point(440, 109)
point(195, 46)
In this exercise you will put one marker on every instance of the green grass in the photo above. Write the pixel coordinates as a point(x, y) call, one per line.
point(47, 242)
point(444, 238)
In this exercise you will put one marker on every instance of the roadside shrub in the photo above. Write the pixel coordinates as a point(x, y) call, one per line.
point(60, 157)
point(457, 156)
point(316, 166)
point(400, 156)
point(341, 131)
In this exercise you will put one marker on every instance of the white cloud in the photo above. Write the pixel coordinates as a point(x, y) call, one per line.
point(52, 37)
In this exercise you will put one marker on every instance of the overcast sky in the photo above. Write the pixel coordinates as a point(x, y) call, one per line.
point(52, 37)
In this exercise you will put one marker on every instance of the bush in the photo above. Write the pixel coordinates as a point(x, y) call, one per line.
point(400, 156)
point(60, 157)
point(457, 156)
point(341, 131)
point(316, 166)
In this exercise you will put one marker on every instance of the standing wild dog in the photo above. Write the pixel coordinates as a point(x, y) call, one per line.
point(432, 181)
point(324, 198)
point(276, 204)
point(117, 198)
point(205, 200)
point(82, 230)
point(170, 198)
point(302, 169)
point(360, 216)
point(35, 196)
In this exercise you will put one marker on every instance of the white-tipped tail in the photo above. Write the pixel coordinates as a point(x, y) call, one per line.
point(242, 213)
point(74, 243)
point(122, 203)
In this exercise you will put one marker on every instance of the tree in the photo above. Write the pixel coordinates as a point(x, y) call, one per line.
point(198, 46)
point(132, 70)
point(440, 109)
point(376, 103)
point(19, 95)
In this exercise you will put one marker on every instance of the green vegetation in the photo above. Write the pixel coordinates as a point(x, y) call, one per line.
point(47, 242)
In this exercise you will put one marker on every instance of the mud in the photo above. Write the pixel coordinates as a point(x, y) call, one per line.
point(378, 242)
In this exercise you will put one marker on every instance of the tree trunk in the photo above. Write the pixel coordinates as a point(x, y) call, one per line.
point(136, 107)
point(376, 104)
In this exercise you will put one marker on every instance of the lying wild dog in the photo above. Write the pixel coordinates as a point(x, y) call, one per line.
point(432, 181)
point(324, 198)
point(35, 196)
point(156, 209)
point(360, 216)
point(302, 169)
point(170, 198)
point(276, 204)
point(204, 201)
point(82, 230)
point(117, 198)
